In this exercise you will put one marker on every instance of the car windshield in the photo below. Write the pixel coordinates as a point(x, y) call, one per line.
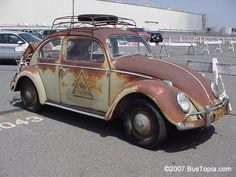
point(29, 37)
point(128, 45)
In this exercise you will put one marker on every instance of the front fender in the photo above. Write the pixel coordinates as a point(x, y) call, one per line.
point(162, 95)
point(31, 73)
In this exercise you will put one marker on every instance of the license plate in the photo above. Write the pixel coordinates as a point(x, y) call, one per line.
point(219, 114)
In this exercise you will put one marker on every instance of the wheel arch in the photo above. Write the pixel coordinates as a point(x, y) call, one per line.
point(161, 95)
point(133, 95)
point(35, 78)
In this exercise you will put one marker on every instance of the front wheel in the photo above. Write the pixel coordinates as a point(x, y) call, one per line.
point(29, 95)
point(144, 124)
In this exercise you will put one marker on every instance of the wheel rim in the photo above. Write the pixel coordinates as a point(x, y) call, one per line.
point(30, 96)
point(142, 123)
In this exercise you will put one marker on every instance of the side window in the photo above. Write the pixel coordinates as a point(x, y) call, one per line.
point(51, 49)
point(84, 50)
point(10, 39)
point(2, 39)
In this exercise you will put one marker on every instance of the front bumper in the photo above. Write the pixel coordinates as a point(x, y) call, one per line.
point(207, 116)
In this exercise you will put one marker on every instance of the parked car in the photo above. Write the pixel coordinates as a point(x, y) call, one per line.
point(141, 32)
point(156, 37)
point(46, 33)
point(110, 73)
point(34, 33)
point(14, 43)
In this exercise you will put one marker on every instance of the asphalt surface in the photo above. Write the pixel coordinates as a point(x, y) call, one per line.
point(59, 143)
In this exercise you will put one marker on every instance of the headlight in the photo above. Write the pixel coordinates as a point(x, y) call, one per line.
point(215, 89)
point(183, 102)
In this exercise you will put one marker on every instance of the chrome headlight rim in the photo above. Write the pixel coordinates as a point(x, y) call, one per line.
point(167, 82)
point(215, 89)
point(183, 102)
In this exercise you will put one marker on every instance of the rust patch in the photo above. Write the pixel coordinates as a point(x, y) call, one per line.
point(30, 69)
point(127, 78)
point(81, 87)
point(47, 68)
point(75, 62)
point(90, 72)
point(91, 77)
point(164, 97)
point(93, 85)
point(182, 77)
point(46, 60)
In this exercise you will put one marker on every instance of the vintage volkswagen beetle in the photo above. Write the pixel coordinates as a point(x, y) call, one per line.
point(107, 72)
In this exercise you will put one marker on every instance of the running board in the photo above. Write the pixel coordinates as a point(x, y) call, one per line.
point(97, 114)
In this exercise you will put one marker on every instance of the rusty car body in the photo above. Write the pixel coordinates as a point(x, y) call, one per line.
point(118, 77)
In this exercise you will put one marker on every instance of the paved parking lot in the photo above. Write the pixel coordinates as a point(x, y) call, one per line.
point(59, 143)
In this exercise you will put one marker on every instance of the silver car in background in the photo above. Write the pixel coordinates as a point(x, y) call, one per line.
point(14, 43)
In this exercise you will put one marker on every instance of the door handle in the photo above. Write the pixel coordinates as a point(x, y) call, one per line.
point(64, 69)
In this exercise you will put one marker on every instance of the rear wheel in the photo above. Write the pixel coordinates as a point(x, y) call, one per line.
point(144, 124)
point(29, 95)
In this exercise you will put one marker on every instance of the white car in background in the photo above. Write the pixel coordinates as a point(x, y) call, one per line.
point(14, 43)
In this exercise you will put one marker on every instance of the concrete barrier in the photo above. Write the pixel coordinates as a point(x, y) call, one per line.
point(173, 44)
point(217, 69)
point(216, 43)
point(231, 47)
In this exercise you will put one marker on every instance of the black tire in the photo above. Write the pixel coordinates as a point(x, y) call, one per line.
point(29, 95)
point(144, 124)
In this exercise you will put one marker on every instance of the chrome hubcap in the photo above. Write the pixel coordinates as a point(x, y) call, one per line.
point(28, 95)
point(142, 124)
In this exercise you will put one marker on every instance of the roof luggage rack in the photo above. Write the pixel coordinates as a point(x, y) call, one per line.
point(92, 20)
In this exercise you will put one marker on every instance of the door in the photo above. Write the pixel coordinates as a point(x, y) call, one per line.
point(47, 64)
point(84, 75)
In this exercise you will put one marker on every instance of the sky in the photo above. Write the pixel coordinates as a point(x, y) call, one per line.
point(220, 13)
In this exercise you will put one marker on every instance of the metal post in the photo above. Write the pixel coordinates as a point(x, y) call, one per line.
point(73, 7)
point(73, 13)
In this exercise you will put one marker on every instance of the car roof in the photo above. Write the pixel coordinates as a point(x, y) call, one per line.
point(11, 32)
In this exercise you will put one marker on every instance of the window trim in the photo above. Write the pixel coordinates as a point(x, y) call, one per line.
point(47, 59)
point(115, 35)
point(85, 61)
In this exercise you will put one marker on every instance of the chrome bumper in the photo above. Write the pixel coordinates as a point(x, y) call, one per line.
point(207, 116)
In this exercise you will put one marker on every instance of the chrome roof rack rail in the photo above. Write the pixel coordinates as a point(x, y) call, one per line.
point(92, 20)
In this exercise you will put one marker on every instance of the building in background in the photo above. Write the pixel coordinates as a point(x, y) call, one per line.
point(229, 31)
point(30, 13)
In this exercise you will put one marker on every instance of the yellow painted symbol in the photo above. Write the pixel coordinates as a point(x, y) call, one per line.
point(81, 88)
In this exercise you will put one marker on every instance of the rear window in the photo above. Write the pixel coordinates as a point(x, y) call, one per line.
point(29, 37)
point(51, 49)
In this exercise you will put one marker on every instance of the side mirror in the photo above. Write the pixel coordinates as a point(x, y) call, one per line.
point(20, 42)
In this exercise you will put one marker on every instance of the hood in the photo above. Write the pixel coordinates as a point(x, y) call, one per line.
point(185, 79)
point(30, 49)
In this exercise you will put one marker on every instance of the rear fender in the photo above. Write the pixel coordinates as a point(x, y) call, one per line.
point(31, 73)
point(162, 95)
